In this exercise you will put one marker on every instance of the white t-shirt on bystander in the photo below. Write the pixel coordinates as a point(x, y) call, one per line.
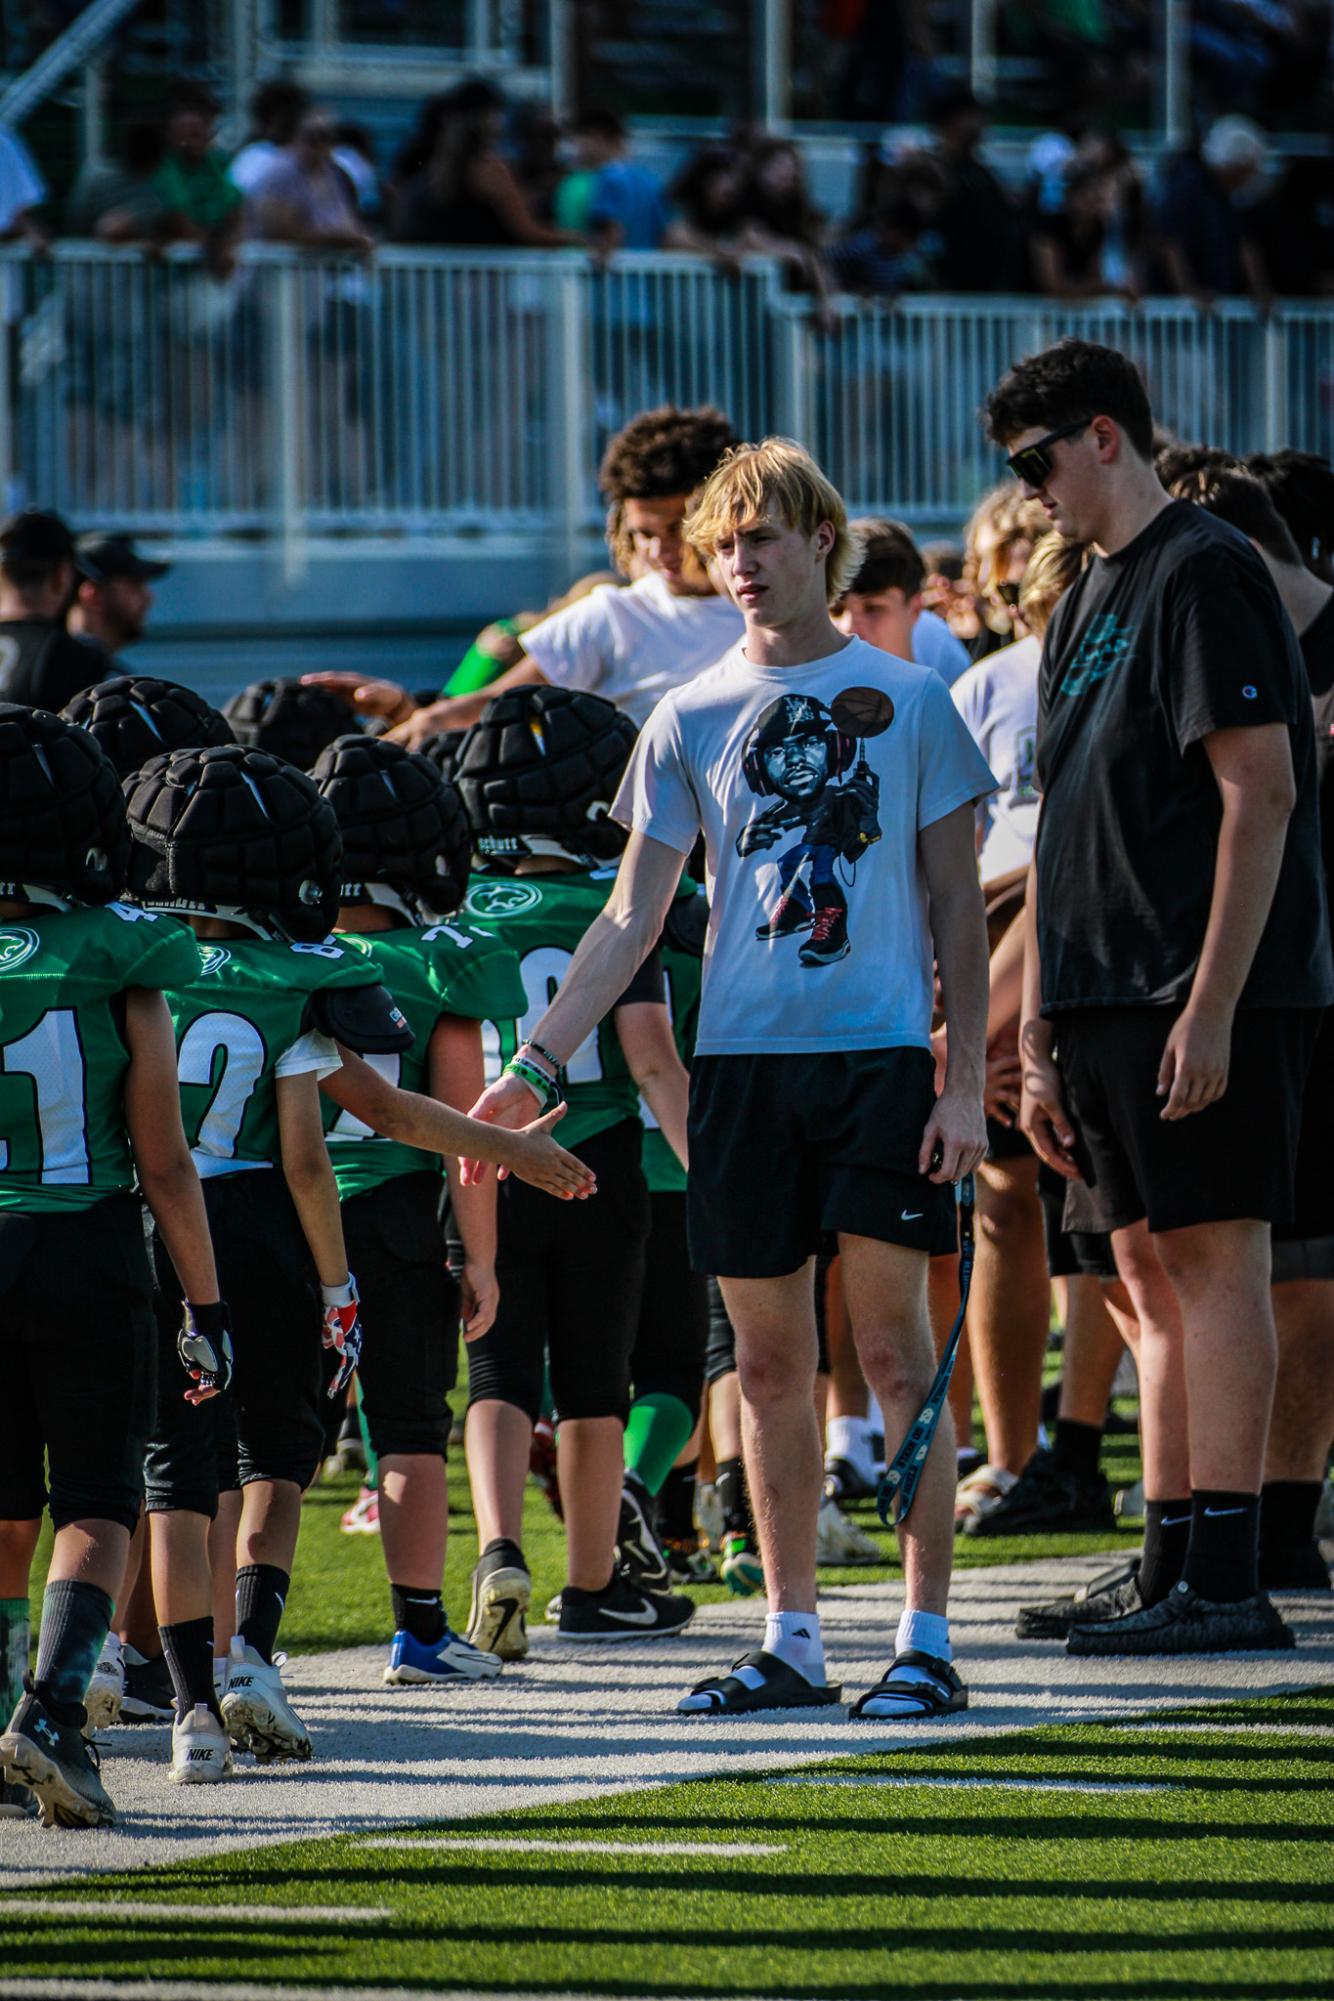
point(633, 643)
point(998, 699)
point(801, 818)
point(934, 645)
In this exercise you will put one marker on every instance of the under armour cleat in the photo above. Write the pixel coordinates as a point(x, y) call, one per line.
point(57, 1763)
point(256, 1710)
point(414, 1664)
point(200, 1752)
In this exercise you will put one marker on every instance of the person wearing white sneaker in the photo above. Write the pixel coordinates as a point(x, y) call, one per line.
point(840, 1541)
point(256, 1710)
point(200, 1752)
point(106, 1690)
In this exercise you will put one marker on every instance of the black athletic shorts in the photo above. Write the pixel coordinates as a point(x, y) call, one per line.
point(410, 1312)
point(270, 1424)
point(1234, 1159)
point(1070, 1253)
point(668, 1355)
point(1304, 1247)
point(1006, 1142)
point(570, 1278)
point(720, 1356)
point(76, 1362)
point(784, 1149)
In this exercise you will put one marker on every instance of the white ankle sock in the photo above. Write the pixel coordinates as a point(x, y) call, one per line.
point(794, 1637)
point(923, 1633)
point(850, 1438)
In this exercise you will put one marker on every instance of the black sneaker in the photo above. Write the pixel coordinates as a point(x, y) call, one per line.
point(1300, 1567)
point(1106, 1596)
point(1047, 1497)
point(790, 915)
point(828, 942)
point(56, 1761)
point(638, 1548)
point(1185, 1623)
point(149, 1696)
point(624, 1611)
point(847, 1482)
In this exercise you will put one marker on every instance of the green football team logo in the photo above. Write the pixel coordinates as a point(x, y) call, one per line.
point(503, 897)
point(16, 945)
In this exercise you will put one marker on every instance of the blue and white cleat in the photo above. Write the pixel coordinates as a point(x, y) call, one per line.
point(412, 1663)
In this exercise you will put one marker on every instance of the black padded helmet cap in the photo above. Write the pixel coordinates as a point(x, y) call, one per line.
point(546, 762)
point(62, 817)
point(237, 828)
point(443, 750)
point(135, 717)
point(402, 823)
point(288, 718)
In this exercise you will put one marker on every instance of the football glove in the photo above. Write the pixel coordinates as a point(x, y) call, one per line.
point(342, 1329)
point(204, 1344)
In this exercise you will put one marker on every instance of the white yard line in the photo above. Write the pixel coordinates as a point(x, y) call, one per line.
point(1020, 1785)
point(253, 1916)
point(582, 1723)
point(707, 1851)
point(85, 1989)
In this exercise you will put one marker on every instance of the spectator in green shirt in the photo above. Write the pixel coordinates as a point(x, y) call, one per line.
point(203, 202)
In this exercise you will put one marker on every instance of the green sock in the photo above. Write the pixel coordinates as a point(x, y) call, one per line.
point(658, 1427)
point(372, 1463)
point(15, 1640)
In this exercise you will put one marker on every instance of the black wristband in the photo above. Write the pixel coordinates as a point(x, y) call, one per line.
point(208, 1320)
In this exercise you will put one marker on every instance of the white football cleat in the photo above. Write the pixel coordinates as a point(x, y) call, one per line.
point(255, 1708)
point(106, 1690)
point(200, 1752)
point(840, 1541)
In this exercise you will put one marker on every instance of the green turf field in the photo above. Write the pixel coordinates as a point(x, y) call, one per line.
point(1128, 1863)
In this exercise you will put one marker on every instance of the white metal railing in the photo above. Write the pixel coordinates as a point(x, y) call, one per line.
point(470, 395)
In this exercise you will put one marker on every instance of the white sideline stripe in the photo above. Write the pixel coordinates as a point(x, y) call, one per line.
point(1165, 1725)
point(536, 1845)
point(83, 1989)
point(195, 1914)
point(1016, 1784)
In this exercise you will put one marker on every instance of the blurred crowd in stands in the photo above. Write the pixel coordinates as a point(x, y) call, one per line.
point(1227, 215)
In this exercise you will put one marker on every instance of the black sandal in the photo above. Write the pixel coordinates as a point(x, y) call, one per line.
point(942, 1695)
point(782, 1688)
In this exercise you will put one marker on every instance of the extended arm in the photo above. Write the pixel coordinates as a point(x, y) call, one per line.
point(309, 1174)
point(409, 724)
point(645, 1035)
point(1253, 771)
point(956, 1130)
point(456, 1078)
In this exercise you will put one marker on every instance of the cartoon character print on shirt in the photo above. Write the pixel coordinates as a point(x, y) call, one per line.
point(810, 760)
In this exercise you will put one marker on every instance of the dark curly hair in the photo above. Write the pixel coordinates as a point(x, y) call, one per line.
point(1074, 379)
point(659, 454)
point(1175, 460)
point(1301, 486)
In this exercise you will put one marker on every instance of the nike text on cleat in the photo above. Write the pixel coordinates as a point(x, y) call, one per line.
point(200, 1752)
point(414, 1664)
point(256, 1710)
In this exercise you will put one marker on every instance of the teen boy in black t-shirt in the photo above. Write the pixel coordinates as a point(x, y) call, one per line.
point(1179, 955)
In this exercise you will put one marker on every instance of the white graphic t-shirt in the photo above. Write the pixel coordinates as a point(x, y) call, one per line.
point(632, 644)
point(998, 699)
point(811, 785)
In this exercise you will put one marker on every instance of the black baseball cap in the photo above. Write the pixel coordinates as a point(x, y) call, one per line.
point(101, 557)
point(33, 535)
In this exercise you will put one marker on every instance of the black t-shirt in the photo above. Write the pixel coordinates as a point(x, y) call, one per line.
point(1317, 644)
point(1152, 649)
point(44, 666)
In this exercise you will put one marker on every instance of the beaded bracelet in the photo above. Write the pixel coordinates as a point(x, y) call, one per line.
point(546, 1092)
point(539, 1050)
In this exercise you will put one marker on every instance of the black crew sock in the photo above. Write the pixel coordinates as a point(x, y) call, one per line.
point(1076, 1447)
point(1222, 1562)
point(76, 1619)
point(1287, 1513)
point(676, 1503)
point(574, 1595)
point(188, 1646)
point(513, 1555)
point(733, 1499)
point(418, 1612)
point(261, 1594)
point(1166, 1536)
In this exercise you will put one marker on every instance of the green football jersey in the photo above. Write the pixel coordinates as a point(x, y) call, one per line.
point(451, 968)
point(63, 1055)
point(542, 918)
point(684, 974)
point(242, 1012)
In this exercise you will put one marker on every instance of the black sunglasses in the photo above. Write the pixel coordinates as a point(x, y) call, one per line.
point(1033, 464)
